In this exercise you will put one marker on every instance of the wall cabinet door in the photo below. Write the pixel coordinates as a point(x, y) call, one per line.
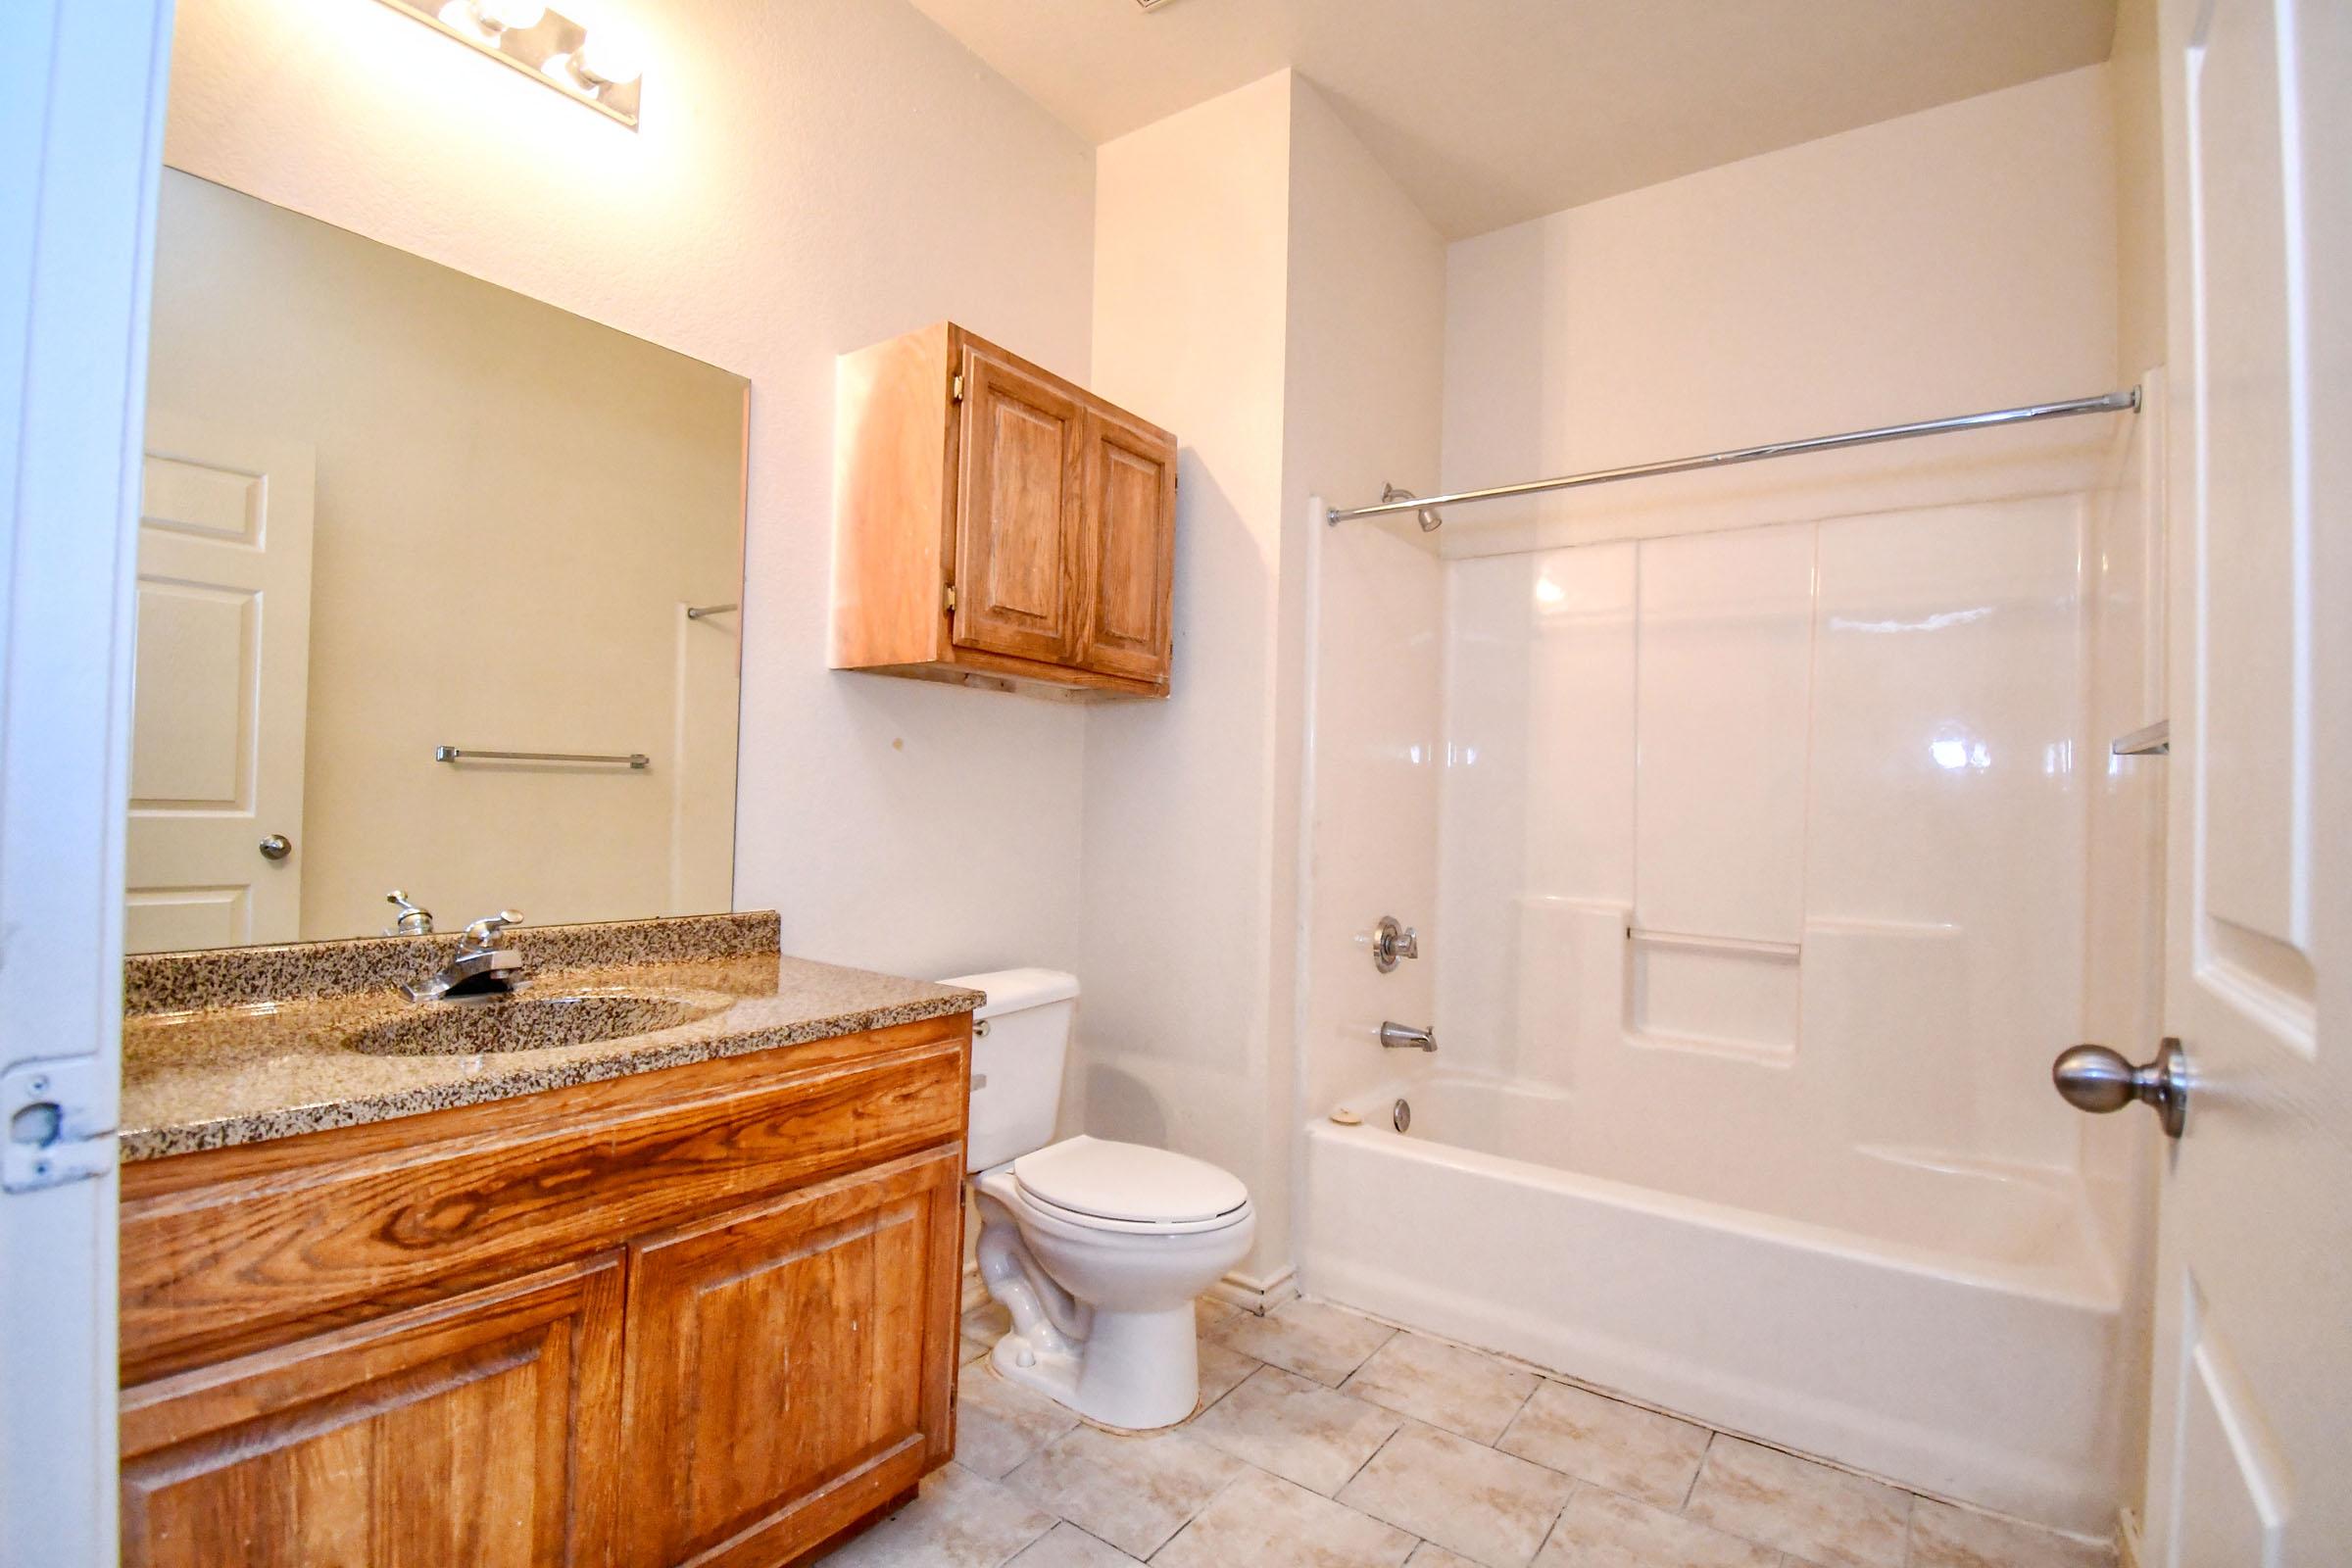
point(791, 1364)
point(1020, 537)
point(479, 1430)
point(1130, 560)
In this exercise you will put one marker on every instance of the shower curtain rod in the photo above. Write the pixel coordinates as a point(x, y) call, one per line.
point(2105, 403)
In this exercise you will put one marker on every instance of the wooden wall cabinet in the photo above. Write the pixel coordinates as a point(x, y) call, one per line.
point(704, 1315)
point(994, 520)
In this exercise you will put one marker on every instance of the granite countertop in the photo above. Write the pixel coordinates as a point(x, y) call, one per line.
point(225, 1067)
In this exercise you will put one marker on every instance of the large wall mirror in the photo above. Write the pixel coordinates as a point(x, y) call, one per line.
point(398, 521)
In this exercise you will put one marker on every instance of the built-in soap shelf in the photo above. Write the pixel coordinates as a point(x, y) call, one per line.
point(1719, 994)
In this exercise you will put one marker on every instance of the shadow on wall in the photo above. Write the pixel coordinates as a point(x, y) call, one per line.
point(1120, 1099)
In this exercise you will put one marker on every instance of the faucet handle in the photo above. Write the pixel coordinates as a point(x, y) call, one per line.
point(483, 932)
point(412, 920)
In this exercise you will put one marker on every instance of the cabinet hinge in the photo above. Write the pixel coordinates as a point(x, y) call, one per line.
point(956, 388)
point(951, 598)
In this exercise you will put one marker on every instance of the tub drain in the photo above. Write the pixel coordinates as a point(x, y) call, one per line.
point(1403, 1116)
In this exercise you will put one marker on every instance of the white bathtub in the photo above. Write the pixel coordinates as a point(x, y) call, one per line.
point(1952, 1328)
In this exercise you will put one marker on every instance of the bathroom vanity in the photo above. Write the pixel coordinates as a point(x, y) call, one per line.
point(405, 1293)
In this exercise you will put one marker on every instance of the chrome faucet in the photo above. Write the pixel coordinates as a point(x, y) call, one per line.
point(1404, 1037)
point(412, 920)
point(480, 963)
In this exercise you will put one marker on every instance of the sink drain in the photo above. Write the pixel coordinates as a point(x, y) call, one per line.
point(1403, 1116)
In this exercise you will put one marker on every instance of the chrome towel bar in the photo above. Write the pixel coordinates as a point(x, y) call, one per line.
point(451, 754)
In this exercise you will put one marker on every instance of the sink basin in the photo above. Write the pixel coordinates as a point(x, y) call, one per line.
point(523, 1021)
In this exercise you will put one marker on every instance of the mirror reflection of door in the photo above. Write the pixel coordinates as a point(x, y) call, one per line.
point(223, 671)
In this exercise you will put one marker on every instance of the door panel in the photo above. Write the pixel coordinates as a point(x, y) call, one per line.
point(1019, 501)
point(2253, 1369)
point(1131, 549)
point(478, 1430)
point(776, 1385)
point(220, 686)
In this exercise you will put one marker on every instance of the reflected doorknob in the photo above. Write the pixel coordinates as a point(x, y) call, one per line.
point(2096, 1079)
point(276, 846)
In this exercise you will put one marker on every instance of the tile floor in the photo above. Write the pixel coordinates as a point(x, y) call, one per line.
point(1328, 1440)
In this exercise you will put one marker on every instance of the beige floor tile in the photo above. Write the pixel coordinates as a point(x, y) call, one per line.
point(1489, 1506)
point(1946, 1537)
point(1429, 1554)
point(1602, 1530)
point(999, 1423)
point(1133, 1491)
point(1066, 1546)
point(970, 1350)
point(1443, 1385)
point(1210, 1313)
point(960, 1520)
point(1296, 1428)
point(989, 1322)
point(1222, 1369)
point(1608, 1442)
point(1310, 1337)
point(1809, 1511)
point(1262, 1521)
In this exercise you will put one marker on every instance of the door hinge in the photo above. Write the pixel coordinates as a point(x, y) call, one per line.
point(52, 1134)
point(951, 598)
point(956, 388)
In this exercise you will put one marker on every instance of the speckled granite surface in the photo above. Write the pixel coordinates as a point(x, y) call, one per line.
point(218, 1064)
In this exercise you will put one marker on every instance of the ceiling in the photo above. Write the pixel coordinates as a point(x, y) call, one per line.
point(1490, 111)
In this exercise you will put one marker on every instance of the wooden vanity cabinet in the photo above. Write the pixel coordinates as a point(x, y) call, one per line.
point(991, 520)
point(702, 1315)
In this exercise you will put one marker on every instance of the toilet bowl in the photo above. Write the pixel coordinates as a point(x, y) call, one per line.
point(1097, 1249)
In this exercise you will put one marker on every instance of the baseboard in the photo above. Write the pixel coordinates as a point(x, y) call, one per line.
point(1258, 1295)
point(2128, 1552)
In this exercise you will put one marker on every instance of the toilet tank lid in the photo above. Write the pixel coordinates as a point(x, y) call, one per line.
point(1012, 990)
point(1128, 1181)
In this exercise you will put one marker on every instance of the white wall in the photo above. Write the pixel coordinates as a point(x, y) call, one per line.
point(1951, 261)
point(1177, 1024)
point(1293, 344)
point(810, 177)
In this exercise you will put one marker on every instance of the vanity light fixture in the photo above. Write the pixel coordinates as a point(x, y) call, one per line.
point(596, 67)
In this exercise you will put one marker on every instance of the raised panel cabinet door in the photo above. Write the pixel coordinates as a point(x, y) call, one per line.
point(1019, 540)
point(480, 1430)
point(791, 1364)
point(1130, 562)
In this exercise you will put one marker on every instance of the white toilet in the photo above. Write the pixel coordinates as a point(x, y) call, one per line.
point(1098, 1249)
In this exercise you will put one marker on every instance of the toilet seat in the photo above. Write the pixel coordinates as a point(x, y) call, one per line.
point(1095, 1183)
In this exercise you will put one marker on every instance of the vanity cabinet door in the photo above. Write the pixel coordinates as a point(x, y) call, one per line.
point(480, 1430)
point(1130, 564)
point(1019, 536)
point(791, 1364)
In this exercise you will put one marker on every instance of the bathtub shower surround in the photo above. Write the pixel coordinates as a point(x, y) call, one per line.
point(1760, 912)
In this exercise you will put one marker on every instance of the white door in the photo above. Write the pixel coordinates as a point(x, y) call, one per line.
point(215, 849)
point(2251, 1454)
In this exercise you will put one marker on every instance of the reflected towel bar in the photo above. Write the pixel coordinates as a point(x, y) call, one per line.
point(2028, 413)
point(451, 754)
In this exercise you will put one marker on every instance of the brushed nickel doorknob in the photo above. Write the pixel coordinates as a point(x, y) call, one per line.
point(2098, 1080)
point(276, 846)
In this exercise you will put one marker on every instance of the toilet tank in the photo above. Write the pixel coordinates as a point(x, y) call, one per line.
point(1020, 1039)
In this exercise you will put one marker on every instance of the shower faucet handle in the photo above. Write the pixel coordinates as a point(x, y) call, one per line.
point(1392, 941)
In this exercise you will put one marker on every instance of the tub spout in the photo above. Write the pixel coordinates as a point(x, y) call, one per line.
point(1404, 1037)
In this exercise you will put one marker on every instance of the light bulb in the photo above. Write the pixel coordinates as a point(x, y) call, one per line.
point(609, 56)
point(510, 16)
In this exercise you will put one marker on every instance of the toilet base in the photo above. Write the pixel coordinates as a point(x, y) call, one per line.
point(1134, 1371)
